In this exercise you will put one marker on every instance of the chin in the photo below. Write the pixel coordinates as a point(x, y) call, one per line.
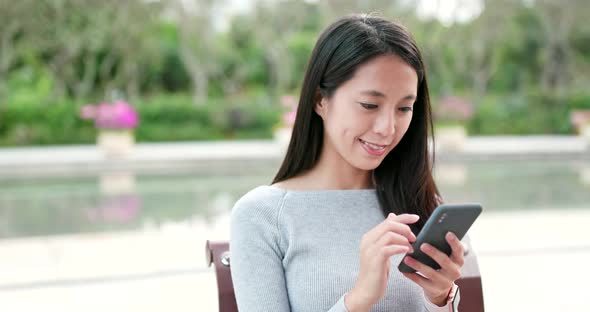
point(367, 164)
point(363, 162)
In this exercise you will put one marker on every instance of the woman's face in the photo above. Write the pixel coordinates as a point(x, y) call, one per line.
point(367, 116)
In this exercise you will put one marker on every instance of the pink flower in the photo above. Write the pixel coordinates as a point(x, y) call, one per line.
point(118, 115)
point(579, 118)
point(289, 118)
point(289, 102)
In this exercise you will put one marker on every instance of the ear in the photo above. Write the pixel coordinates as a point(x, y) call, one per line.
point(320, 104)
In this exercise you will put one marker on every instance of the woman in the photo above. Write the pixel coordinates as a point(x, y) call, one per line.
point(354, 187)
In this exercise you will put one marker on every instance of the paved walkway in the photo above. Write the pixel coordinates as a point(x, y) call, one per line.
point(269, 149)
point(148, 156)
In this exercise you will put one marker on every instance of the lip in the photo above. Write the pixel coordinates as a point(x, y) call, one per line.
point(371, 151)
point(380, 145)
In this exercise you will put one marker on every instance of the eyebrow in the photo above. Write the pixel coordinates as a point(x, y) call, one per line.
point(380, 94)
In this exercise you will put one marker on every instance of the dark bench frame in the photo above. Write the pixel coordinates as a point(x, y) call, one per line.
point(217, 253)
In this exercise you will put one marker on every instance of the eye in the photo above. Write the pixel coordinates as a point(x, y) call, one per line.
point(368, 106)
point(406, 109)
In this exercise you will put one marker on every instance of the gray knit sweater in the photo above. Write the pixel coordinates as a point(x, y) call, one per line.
point(299, 251)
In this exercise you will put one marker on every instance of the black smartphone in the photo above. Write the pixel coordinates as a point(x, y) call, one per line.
point(455, 218)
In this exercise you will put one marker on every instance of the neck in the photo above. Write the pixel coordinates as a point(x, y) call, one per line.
point(333, 172)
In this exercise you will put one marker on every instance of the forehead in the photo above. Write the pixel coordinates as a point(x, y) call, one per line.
point(388, 74)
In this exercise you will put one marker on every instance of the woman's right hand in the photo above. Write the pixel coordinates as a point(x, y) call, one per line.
point(390, 237)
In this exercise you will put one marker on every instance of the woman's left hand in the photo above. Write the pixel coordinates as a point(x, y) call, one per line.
point(438, 283)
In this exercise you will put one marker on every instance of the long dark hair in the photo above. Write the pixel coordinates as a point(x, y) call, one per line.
point(403, 181)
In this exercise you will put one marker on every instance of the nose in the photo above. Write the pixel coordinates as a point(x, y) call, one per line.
point(385, 124)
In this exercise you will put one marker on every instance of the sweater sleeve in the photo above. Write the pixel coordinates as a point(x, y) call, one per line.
point(431, 307)
point(256, 258)
point(256, 255)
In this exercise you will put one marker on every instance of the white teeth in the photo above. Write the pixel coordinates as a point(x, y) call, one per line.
point(373, 146)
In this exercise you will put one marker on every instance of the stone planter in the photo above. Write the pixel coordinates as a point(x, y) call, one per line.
point(450, 138)
point(116, 143)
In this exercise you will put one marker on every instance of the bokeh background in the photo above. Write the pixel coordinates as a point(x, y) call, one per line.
point(209, 70)
point(193, 100)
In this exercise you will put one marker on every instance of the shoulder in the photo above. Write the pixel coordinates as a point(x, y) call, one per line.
point(261, 196)
point(260, 203)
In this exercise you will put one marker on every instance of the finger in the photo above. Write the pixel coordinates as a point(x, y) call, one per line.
point(440, 257)
point(457, 254)
point(425, 270)
point(448, 268)
point(405, 218)
point(392, 238)
point(388, 225)
point(393, 223)
point(390, 250)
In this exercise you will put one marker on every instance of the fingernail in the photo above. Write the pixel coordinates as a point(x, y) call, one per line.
point(425, 247)
point(450, 236)
point(391, 215)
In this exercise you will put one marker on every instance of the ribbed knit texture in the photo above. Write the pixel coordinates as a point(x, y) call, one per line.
point(299, 251)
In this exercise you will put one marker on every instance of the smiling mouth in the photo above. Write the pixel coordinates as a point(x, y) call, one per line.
point(373, 146)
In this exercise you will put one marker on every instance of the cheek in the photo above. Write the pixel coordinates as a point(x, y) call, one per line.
point(401, 127)
point(356, 127)
point(344, 124)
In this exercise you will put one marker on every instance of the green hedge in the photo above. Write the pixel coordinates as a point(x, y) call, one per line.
point(162, 118)
point(533, 113)
point(174, 117)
